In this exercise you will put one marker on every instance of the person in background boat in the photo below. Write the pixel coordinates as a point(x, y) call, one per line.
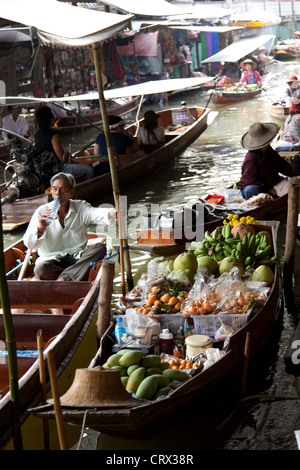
point(16, 123)
point(151, 133)
point(62, 245)
point(289, 90)
point(229, 75)
point(250, 76)
point(262, 164)
point(122, 141)
point(56, 111)
point(48, 139)
point(291, 132)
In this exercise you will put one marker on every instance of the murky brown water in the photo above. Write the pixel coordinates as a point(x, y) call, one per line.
point(213, 161)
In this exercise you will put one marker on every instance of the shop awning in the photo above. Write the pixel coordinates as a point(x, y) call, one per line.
point(240, 48)
point(146, 88)
point(62, 24)
point(154, 8)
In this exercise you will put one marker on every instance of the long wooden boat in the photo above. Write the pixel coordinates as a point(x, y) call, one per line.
point(149, 418)
point(19, 211)
point(131, 168)
point(33, 305)
point(73, 122)
point(226, 96)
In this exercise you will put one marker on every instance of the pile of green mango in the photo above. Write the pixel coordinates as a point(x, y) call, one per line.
point(147, 376)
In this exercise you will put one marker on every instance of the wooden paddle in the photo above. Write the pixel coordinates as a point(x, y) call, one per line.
point(42, 373)
point(24, 265)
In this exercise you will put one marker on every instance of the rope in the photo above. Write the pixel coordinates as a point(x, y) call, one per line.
point(93, 264)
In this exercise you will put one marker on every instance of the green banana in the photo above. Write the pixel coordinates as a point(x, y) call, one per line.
point(248, 261)
point(227, 231)
point(208, 237)
point(215, 234)
point(262, 254)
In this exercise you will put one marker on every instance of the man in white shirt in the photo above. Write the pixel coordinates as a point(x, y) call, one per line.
point(62, 245)
point(56, 111)
point(15, 123)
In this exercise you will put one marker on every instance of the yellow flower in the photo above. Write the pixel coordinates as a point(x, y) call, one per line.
point(225, 222)
point(236, 217)
point(229, 217)
point(243, 220)
point(235, 222)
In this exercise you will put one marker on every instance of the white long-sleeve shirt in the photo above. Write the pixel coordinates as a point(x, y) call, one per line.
point(19, 126)
point(57, 241)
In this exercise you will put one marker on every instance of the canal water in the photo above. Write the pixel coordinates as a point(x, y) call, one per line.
point(213, 161)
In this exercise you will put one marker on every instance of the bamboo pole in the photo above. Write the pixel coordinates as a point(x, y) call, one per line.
point(11, 349)
point(25, 265)
point(104, 299)
point(57, 407)
point(290, 244)
point(42, 373)
point(124, 254)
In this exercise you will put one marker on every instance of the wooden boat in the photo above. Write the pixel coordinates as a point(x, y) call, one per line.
point(32, 303)
point(279, 111)
point(235, 95)
point(166, 242)
point(73, 122)
point(18, 213)
point(179, 135)
point(149, 418)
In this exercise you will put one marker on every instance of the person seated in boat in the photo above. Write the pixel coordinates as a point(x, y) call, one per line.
point(122, 140)
point(62, 245)
point(229, 75)
point(290, 89)
point(250, 76)
point(57, 111)
point(291, 132)
point(151, 133)
point(262, 164)
point(15, 123)
point(49, 139)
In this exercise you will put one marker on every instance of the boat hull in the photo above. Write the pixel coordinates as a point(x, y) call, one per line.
point(227, 97)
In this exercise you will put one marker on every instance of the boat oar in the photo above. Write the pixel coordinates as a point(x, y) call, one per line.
point(25, 265)
point(57, 407)
point(42, 373)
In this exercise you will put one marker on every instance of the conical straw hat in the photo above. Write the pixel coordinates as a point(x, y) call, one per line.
point(98, 388)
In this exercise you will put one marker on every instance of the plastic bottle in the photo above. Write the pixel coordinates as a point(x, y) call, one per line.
point(120, 331)
point(166, 341)
point(187, 330)
point(54, 210)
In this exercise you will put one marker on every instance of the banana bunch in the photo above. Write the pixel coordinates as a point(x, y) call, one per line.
point(254, 250)
point(218, 245)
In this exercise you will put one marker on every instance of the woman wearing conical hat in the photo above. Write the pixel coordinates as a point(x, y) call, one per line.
point(250, 76)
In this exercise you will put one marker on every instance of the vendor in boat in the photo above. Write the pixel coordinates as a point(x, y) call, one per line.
point(151, 133)
point(262, 164)
point(290, 89)
point(48, 139)
point(291, 132)
point(57, 111)
point(123, 141)
point(250, 76)
point(62, 245)
point(15, 123)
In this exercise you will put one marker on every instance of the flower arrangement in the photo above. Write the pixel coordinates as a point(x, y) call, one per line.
point(233, 219)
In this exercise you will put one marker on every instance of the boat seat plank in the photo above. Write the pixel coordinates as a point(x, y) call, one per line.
point(28, 294)
point(24, 363)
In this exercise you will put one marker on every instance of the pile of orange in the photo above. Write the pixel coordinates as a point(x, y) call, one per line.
point(165, 303)
point(181, 364)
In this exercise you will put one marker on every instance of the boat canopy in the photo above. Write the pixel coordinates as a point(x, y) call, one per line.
point(155, 8)
point(141, 89)
point(61, 24)
point(241, 48)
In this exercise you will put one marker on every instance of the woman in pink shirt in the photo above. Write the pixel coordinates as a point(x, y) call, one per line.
point(250, 76)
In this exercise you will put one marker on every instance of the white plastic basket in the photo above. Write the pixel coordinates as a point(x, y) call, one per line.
point(172, 321)
point(209, 324)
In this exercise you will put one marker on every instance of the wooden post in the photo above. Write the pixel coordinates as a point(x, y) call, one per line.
point(104, 299)
point(57, 407)
point(290, 244)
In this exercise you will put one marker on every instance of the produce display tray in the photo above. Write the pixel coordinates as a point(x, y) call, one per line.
point(209, 324)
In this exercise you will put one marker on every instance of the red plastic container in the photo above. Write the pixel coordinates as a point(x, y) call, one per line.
point(214, 199)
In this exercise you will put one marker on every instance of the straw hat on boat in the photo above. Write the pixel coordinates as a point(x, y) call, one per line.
point(259, 135)
point(101, 388)
point(292, 79)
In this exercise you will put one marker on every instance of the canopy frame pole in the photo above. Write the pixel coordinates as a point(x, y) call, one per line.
point(137, 115)
point(124, 254)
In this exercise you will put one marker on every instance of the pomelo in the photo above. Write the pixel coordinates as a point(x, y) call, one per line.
point(209, 263)
point(228, 263)
point(264, 274)
point(185, 261)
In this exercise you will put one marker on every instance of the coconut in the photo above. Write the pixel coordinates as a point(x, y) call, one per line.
point(242, 230)
point(228, 263)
